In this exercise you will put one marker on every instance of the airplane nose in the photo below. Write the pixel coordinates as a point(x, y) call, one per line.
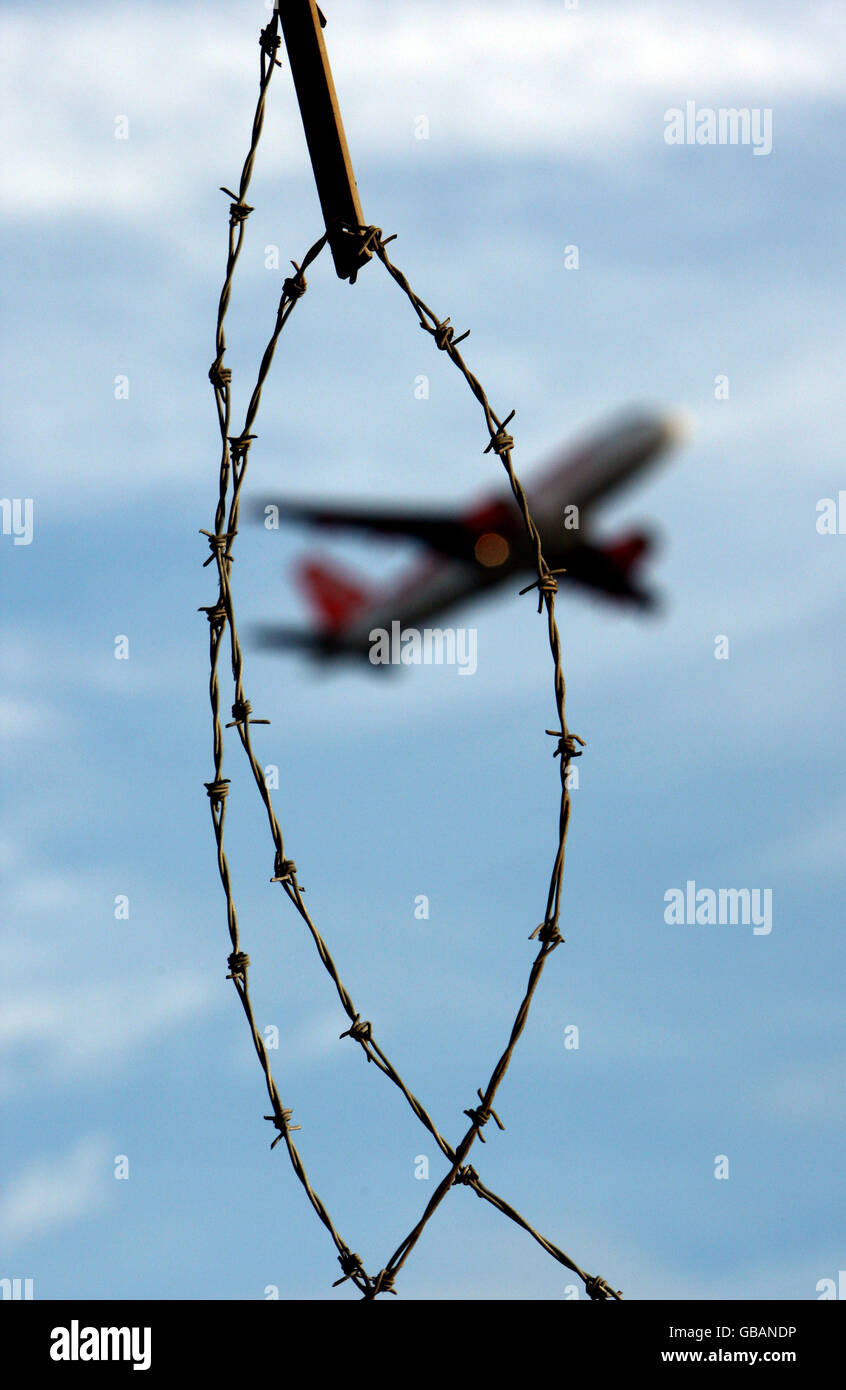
point(677, 428)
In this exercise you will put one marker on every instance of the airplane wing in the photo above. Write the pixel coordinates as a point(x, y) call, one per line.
point(272, 637)
point(448, 535)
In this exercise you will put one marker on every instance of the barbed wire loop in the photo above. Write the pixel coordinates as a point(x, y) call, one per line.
point(234, 456)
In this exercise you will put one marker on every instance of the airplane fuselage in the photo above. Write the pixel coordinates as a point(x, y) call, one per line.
point(558, 502)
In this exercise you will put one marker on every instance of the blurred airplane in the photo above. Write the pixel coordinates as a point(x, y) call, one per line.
point(473, 552)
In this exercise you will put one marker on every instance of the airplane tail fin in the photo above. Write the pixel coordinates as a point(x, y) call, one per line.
point(628, 551)
point(335, 597)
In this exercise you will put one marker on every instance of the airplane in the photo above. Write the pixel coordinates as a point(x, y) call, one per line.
point(472, 553)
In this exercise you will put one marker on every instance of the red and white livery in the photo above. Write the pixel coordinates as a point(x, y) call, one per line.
point(471, 553)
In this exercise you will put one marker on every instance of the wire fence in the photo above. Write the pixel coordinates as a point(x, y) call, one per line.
point(234, 456)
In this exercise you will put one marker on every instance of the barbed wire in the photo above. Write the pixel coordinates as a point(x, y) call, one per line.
point(233, 466)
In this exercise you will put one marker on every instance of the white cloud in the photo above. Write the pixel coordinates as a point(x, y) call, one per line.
point(808, 1093)
point(492, 78)
point(817, 847)
point(309, 1041)
point(500, 1263)
point(55, 1191)
point(83, 1029)
point(33, 661)
point(26, 718)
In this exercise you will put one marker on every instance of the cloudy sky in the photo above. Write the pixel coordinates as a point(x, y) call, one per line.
point(123, 1037)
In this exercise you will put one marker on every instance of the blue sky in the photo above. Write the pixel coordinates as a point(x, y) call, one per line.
point(124, 1037)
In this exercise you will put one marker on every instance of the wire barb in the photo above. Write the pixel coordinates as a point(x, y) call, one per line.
point(216, 614)
point(239, 445)
point(269, 41)
point(241, 710)
point(361, 1032)
point(284, 870)
point(501, 441)
point(217, 791)
point(295, 286)
point(481, 1115)
point(281, 1119)
point(383, 1283)
point(218, 544)
point(566, 747)
point(219, 375)
point(239, 211)
point(444, 335)
point(548, 934)
point(597, 1288)
point(351, 1265)
point(239, 964)
point(546, 585)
